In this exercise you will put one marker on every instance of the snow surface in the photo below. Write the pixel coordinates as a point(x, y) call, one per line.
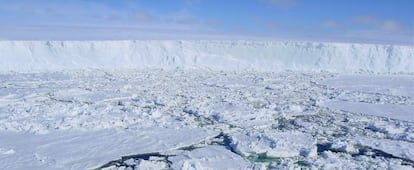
point(197, 119)
point(390, 86)
point(396, 148)
point(393, 111)
point(205, 105)
point(384, 84)
point(209, 157)
point(83, 150)
point(212, 55)
point(275, 144)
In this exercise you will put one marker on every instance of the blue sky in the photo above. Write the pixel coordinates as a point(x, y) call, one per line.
point(365, 21)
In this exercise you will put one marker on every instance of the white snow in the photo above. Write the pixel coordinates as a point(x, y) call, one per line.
point(396, 148)
point(212, 55)
point(78, 117)
point(210, 157)
point(393, 111)
point(150, 165)
point(5, 151)
point(390, 85)
point(275, 144)
point(91, 149)
point(373, 95)
point(331, 160)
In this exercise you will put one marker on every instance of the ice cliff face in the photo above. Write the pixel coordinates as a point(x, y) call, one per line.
point(214, 55)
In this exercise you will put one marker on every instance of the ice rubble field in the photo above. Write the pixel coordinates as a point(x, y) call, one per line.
point(205, 105)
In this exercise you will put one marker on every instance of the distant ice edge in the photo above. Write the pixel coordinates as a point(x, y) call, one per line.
point(211, 55)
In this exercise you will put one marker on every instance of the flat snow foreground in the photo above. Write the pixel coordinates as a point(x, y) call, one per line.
point(199, 119)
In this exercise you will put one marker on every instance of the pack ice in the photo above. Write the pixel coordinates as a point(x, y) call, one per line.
point(205, 105)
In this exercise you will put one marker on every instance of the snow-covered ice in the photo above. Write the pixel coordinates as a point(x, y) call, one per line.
point(134, 118)
point(81, 150)
point(215, 55)
point(209, 157)
point(400, 85)
point(400, 149)
point(275, 144)
point(205, 105)
point(385, 86)
point(393, 111)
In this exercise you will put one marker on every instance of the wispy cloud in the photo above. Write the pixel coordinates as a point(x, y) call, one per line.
point(362, 29)
point(119, 18)
point(330, 24)
point(94, 12)
point(192, 2)
point(94, 19)
point(374, 29)
point(279, 3)
point(391, 25)
point(377, 23)
point(366, 23)
point(365, 20)
point(181, 17)
point(272, 26)
point(142, 17)
point(214, 22)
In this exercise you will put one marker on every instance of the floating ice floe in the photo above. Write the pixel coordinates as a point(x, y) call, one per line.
point(400, 149)
point(209, 157)
point(83, 150)
point(390, 85)
point(274, 144)
point(393, 111)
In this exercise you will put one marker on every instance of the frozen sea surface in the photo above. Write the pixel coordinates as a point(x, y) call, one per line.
point(194, 119)
point(80, 150)
point(393, 111)
point(398, 85)
point(385, 86)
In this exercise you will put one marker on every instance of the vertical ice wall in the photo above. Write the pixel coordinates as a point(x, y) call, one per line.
point(215, 55)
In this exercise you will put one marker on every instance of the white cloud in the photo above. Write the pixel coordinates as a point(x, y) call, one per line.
point(362, 29)
point(182, 17)
point(279, 3)
point(376, 23)
point(214, 22)
point(330, 24)
point(192, 2)
point(390, 25)
point(272, 26)
point(142, 17)
point(366, 20)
